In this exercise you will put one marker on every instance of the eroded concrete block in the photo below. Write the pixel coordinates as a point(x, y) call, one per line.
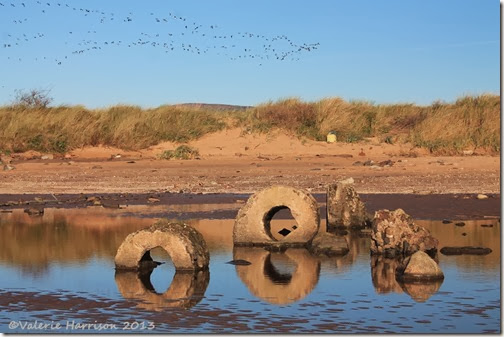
point(184, 244)
point(344, 206)
point(252, 224)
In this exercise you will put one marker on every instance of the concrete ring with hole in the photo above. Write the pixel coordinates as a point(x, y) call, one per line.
point(252, 224)
point(185, 245)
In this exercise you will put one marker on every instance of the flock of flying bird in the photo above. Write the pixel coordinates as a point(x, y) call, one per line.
point(168, 33)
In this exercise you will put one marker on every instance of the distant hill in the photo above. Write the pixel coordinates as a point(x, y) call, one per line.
point(220, 107)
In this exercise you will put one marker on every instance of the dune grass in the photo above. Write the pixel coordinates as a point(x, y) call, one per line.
point(443, 128)
point(60, 129)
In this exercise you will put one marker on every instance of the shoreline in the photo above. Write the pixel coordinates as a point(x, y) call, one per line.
point(421, 207)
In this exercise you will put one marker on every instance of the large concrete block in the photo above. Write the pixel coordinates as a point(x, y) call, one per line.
point(184, 244)
point(252, 224)
point(344, 206)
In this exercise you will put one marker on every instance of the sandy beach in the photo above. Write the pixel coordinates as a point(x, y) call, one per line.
point(232, 161)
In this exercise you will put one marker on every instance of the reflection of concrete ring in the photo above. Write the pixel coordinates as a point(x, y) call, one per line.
point(186, 289)
point(184, 244)
point(265, 282)
point(253, 220)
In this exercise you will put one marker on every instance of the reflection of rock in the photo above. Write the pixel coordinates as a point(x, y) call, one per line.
point(421, 291)
point(394, 234)
point(252, 225)
point(465, 250)
point(419, 267)
point(184, 244)
point(383, 274)
point(268, 282)
point(185, 291)
point(344, 207)
point(328, 244)
point(34, 211)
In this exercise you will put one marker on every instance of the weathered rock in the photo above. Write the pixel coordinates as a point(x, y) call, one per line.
point(47, 157)
point(460, 224)
point(482, 196)
point(184, 244)
point(252, 225)
point(34, 211)
point(344, 207)
point(468, 250)
point(92, 199)
point(419, 267)
point(9, 167)
point(328, 244)
point(395, 234)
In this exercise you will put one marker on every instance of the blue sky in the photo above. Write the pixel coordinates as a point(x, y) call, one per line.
point(384, 51)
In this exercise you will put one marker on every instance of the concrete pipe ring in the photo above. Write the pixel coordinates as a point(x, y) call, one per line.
point(252, 224)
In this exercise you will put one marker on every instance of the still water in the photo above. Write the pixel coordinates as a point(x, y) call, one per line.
point(58, 270)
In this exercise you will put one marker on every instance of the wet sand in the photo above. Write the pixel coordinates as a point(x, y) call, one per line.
point(432, 207)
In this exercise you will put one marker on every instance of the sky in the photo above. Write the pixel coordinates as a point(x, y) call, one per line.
point(246, 52)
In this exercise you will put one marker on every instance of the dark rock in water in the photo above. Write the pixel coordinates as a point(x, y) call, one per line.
point(34, 211)
point(464, 234)
point(487, 225)
point(446, 221)
point(110, 204)
point(460, 224)
point(467, 250)
point(328, 244)
point(239, 262)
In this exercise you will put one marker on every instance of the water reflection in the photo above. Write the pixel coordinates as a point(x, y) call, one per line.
point(383, 275)
point(185, 291)
point(384, 280)
point(421, 291)
point(278, 278)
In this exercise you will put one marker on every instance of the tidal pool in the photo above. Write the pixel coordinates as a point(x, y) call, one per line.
point(58, 276)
